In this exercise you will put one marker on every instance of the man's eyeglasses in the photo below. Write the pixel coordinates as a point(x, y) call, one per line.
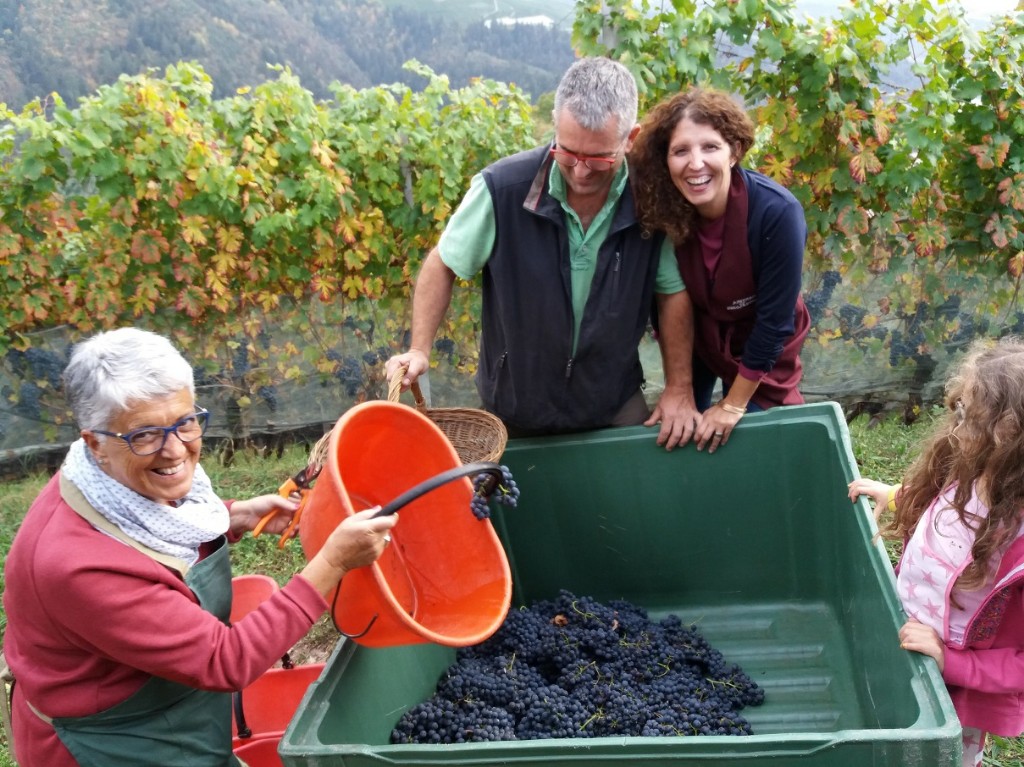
point(571, 160)
point(151, 439)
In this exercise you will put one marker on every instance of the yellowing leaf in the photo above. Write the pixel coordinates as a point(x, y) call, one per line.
point(148, 246)
point(190, 301)
point(10, 243)
point(852, 221)
point(1011, 191)
point(230, 239)
point(983, 156)
point(352, 286)
point(1016, 264)
point(777, 168)
point(1001, 229)
point(215, 284)
point(193, 230)
point(929, 238)
point(863, 164)
point(224, 262)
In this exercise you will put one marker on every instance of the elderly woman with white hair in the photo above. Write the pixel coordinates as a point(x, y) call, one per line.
point(118, 584)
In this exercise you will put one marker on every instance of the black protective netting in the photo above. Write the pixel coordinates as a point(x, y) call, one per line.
point(854, 355)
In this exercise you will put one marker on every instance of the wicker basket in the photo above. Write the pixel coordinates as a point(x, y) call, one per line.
point(475, 434)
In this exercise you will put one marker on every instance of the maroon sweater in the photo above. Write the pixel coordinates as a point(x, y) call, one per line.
point(90, 619)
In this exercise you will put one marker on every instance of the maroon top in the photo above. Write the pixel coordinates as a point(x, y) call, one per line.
point(725, 299)
point(90, 619)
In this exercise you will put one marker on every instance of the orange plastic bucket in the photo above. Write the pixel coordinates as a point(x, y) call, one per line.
point(261, 752)
point(445, 577)
point(248, 592)
point(272, 700)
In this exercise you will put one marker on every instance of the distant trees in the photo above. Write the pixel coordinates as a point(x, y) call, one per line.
point(359, 43)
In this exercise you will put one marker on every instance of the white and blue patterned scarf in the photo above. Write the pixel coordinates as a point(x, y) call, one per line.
point(175, 530)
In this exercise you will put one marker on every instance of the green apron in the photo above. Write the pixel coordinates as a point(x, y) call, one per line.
point(164, 723)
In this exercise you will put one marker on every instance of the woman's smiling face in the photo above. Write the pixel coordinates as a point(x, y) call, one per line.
point(700, 163)
point(166, 475)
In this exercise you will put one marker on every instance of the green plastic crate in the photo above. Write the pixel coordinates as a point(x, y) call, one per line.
point(757, 544)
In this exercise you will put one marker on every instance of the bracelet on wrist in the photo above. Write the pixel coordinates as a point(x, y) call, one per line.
point(731, 408)
point(890, 504)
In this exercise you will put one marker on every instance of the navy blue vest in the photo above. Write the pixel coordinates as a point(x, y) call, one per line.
point(528, 374)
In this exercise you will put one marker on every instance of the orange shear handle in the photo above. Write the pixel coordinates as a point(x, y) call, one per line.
point(286, 490)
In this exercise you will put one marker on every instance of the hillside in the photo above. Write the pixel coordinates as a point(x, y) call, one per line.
point(73, 48)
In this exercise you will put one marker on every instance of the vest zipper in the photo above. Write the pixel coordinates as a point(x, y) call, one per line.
point(615, 271)
point(568, 368)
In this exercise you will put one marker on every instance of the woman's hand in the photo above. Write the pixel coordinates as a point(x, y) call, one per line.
point(715, 427)
point(245, 515)
point(356, 542)
point(878, 492)
point(917, 637)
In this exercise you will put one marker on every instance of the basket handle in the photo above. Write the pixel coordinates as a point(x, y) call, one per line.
point(395, 389)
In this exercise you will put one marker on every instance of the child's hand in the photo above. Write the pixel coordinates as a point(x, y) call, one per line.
point(923, 639)
point(878, 492)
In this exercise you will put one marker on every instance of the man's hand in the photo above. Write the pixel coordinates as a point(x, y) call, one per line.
point(431, 297)
point(677, 413)
point(415, 363)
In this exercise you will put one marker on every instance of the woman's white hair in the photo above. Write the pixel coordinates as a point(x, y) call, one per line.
point(113, 370)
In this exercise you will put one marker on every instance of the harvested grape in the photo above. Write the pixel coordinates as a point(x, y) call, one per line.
point(573, 667)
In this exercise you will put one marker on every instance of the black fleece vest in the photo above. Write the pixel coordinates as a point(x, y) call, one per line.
point(528, 374)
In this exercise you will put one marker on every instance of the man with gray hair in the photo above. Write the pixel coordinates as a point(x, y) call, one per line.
point(569, 277)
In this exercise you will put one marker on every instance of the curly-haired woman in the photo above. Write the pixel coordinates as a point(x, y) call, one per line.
point(739, 240)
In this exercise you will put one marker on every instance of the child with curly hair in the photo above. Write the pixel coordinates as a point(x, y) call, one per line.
point(959, 515)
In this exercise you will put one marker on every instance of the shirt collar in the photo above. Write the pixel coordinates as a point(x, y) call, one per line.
point(556, 184)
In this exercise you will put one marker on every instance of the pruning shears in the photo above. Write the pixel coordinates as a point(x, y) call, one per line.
point(299, 483)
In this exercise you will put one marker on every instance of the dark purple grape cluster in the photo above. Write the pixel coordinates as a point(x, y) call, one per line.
point(486, 487)
point(817, 300)
point(576, 668)
point(269, 395)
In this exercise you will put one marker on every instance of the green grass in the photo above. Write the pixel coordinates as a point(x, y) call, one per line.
point(882, 450)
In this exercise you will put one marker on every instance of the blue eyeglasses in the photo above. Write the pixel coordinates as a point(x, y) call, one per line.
point(151, 439)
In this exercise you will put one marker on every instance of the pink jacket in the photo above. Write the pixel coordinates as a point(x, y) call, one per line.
point(985, 677)
point(91, 619)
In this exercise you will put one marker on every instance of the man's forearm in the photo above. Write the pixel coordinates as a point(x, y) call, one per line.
point(675, 339)
point(431, 298)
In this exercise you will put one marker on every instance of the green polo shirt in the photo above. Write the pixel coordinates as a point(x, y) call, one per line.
point(468, 239)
